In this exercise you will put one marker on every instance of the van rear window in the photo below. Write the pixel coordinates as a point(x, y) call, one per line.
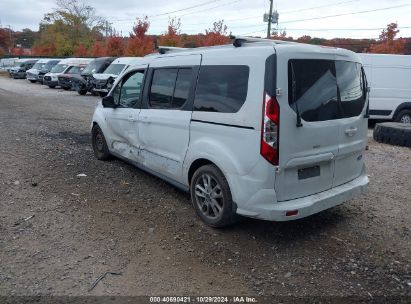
point(325, 89)
point(221, 88)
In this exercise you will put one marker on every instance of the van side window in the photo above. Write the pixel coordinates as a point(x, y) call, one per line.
point(170, 88)
point(221, 88)
point(127, 93)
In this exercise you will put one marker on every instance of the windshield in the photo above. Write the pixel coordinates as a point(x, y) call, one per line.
point(75, 70)
point(49, 65)
point(38, 66)
point(19, 64)
point(59, 68)
point(93, 67)
point(114, 69)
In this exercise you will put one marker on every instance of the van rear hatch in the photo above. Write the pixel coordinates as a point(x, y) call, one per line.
point(328, 91)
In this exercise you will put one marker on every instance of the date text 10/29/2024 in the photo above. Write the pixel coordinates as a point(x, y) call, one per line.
point(205, 299)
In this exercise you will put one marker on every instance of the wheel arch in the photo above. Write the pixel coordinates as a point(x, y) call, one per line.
point(403, 106)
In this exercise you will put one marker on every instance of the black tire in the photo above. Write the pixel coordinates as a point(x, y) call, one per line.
point(102, 94)
point(52, 86)
point(99, 144)
point(227, 215)
point(66, 88)
point(393, 133)
point(82, 92)
point(403, 116)
point(32, 81)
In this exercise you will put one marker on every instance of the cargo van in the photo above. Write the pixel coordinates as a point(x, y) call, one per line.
point(389, 79)
point(266, 129)
point(20, 68)
point(51, 78)
point(32, 75)
point(47, 68)
point(103, 82)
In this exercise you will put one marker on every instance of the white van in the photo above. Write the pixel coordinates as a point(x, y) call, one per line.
point(103, 82)
point(32, 75)
point(51, 78)
point(389, 77)
point(266, 129)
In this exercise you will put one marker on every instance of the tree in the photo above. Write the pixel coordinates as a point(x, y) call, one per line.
point(81, 51)
point(139, 44)
point(387, 43)
point(172, 37)
point(216, 35)
point(115, 46)
point(98, 49)
point(4, 39)
point(71, 24)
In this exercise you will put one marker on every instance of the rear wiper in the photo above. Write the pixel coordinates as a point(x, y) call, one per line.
point(293, 97)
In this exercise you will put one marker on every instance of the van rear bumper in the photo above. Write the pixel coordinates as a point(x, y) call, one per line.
point(308, 205)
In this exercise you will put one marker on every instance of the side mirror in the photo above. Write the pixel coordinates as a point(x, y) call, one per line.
point(108, 102)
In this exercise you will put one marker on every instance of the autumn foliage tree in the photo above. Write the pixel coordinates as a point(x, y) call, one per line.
point(71, 24)
point(216, 35)
point(172, 37)
point(139, 44)
point(115, 46)
point(80, 51)
point(98, 49)
point(388, 44)
point(4, 39)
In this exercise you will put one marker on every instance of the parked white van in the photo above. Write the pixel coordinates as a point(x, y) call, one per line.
point(32, 75)
point(389, 78)
point(265, 129)
point(103, 82)
point(51, 78)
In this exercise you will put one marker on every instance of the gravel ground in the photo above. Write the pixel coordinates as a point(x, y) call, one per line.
point(59, 232)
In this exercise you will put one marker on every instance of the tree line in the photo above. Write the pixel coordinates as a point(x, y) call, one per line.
point(75, 29)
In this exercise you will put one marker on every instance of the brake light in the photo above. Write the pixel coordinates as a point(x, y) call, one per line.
point(270, 130)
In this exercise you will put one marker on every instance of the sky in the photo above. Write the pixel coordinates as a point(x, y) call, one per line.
point(317, 18)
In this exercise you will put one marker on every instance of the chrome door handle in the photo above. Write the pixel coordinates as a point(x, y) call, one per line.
point(351, 132)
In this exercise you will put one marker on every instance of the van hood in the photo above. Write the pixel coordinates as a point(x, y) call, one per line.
point(33, 71)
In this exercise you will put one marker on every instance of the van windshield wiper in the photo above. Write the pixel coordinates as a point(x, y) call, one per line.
point(293, 97)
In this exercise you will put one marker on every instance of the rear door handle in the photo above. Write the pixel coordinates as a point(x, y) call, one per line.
point(351, 131)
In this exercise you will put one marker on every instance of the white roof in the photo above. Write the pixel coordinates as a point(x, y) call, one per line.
point(126, 60)
point(71, 61)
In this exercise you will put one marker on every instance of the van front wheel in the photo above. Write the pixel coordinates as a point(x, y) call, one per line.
point(211, 197)
point(99, 144)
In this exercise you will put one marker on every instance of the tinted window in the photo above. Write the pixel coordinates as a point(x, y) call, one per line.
point(312, 84)
point(162, 88)
point(128, 92)
point(350, 84)
point(221, 88)
point(325, 89)
point(182, 88)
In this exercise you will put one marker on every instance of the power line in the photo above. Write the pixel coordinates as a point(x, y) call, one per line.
point(346, 14)
point(176, 11)
point(320, 6)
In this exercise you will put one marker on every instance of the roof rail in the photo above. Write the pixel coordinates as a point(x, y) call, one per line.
point(165, 49)
point(240, 40)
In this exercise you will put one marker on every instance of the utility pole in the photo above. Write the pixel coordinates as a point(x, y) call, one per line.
point(270, 16)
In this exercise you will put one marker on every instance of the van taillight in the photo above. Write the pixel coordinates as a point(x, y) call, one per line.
point(270, 129)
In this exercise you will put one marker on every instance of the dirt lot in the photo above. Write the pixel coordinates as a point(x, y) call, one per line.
point(59, 232)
